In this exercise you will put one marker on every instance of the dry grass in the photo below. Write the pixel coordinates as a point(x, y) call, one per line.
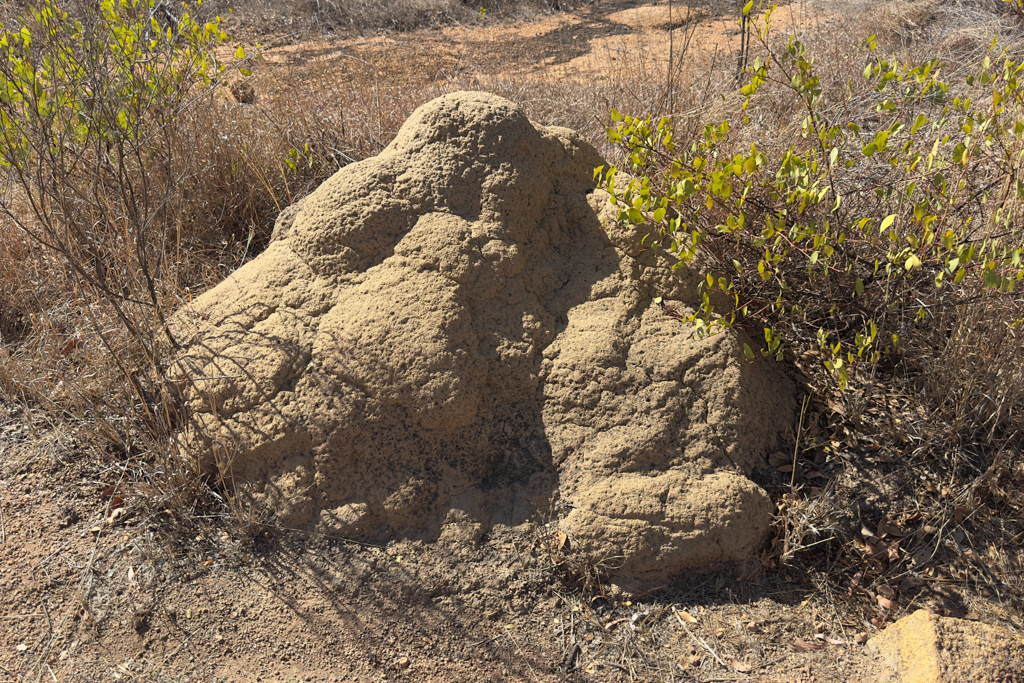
point(362, 17)
point(343, 17)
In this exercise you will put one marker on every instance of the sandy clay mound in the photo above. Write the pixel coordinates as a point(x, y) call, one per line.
point(443, 338)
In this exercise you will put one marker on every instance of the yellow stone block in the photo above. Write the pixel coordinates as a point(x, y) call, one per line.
point(925, 648)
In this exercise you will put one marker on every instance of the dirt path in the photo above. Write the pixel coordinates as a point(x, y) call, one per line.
point(586, 42)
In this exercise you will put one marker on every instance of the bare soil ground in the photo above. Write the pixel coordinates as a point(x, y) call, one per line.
point(93, 588)
point(88, 594)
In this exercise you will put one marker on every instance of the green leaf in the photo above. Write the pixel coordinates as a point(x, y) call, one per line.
point(240, 53)
point(748, 352)
point(912, 262)
point(747, 7)
point(886, 223)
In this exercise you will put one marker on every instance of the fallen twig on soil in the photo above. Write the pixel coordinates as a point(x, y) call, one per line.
point(697, 639)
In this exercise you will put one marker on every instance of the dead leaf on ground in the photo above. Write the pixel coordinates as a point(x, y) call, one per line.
point(882, 526)
point(829, 640)
point(610, 624)
point(894, 551)
point(115, 513)
point(742, 667)
point(876, 548)
point(685, 616)
point(803, 646)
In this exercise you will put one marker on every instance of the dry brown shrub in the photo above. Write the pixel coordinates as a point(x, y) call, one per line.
point(973, 379)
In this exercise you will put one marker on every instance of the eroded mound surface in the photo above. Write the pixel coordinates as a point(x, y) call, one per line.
point(442, 338)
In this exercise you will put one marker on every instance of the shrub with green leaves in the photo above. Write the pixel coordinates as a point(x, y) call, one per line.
point(94, 147)
point(898, 198)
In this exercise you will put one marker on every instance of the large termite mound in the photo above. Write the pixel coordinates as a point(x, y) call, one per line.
point(442, 338)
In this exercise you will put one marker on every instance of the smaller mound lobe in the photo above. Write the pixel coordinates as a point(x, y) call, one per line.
point(443, 338)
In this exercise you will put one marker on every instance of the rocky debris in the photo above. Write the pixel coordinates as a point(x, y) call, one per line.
point(443, 338)
point(925, 648)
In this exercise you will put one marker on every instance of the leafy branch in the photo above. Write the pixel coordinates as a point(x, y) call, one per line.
point(895, 201)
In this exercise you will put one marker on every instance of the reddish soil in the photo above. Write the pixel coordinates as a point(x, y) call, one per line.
point(89, 598)
point(587, 41)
